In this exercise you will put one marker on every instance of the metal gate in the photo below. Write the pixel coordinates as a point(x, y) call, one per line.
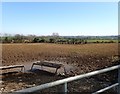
point(78, 77)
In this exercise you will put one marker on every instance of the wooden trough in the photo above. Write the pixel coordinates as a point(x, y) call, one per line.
point(49, 64)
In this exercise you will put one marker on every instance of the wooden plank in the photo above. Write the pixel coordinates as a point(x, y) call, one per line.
point(9, 67)
point(48, 64)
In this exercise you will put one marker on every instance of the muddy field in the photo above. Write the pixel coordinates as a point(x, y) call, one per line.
point(78, 59)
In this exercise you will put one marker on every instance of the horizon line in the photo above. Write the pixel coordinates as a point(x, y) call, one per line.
point(10, 34)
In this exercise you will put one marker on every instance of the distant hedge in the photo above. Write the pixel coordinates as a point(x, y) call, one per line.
point(50, 39)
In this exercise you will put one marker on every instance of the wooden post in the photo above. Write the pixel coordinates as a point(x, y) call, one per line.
point(56, 71)
point(32, 66)
point(22, 69)
point(65, 71)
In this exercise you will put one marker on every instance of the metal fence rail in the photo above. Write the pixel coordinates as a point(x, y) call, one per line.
point(70, 79)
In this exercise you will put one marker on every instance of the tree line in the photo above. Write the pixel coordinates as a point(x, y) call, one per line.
point(47, 39)
point(40, 39)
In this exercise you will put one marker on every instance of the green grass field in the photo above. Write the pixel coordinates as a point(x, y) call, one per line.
point(102, 41)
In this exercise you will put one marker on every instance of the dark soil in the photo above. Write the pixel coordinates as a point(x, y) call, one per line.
point(76, 61)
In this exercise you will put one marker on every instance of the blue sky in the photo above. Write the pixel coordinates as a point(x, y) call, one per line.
point(44, 18)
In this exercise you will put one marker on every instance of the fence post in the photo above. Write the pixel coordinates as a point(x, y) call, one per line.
point(118, 81)
point(64, 88)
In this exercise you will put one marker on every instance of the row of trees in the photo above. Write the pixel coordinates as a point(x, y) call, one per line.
point(55, 38)
point(41, 39)
point(59, 40)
